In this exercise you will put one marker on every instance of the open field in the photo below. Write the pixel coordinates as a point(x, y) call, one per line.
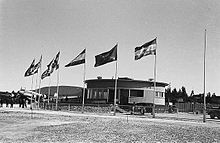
point(22, 125)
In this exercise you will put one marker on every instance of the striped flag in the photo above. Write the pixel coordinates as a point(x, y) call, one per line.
point(148, 48)
point(80, 59)
point(37, 66)
point(55, 64)
point(29, 71)
point(48, 71)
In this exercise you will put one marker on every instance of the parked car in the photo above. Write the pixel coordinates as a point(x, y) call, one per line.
point(214, 112)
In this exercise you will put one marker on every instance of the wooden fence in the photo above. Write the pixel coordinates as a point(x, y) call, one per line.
point(193, 107)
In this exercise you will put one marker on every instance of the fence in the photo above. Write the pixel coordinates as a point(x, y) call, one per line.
point(96, 108)
point(193, 107)
point(102, 108)
point(108, 108)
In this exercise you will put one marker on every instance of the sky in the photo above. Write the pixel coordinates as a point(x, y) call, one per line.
point(31, 28)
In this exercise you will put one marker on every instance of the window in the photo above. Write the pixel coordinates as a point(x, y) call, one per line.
point(98, 94)
point(159, 94)
point(137, 93)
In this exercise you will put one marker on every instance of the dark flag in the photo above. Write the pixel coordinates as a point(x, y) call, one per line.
point(37, 66)
point(45, 74)
point(80, 59)
point(48, 71)
point(55, 64)
point(106, 57)
point(29, 71)
point(148, 48)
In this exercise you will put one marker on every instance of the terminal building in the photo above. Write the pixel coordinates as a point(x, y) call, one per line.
point(129, 91)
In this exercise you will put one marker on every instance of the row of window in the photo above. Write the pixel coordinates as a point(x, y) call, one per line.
point(103, 93)
point(97, 94)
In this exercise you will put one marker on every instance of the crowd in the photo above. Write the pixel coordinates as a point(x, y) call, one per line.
point(14, 98)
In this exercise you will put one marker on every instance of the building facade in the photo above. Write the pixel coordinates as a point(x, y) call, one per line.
point(129, 91)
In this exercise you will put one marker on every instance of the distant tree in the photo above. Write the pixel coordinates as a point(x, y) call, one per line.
point(192, 93)
point(168, 94)
point(208, 97)
point(213, 95)
point(174, 95)
point(179, 95)
point(184, 95)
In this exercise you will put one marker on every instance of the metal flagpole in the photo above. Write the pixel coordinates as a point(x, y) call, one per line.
point(204, 104)
point(84, 78)
point(36, 88)
point(116, 68)
point(49, 92)
point(154, 95)
point(57, 88)
point(39, 86)
point(32, 89)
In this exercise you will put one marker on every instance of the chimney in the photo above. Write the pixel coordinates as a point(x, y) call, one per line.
point(99, 77)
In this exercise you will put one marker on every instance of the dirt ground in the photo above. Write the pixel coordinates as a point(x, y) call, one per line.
point(23, 125)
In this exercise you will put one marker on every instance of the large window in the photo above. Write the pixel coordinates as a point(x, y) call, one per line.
point(137, 93)
point(98, 94)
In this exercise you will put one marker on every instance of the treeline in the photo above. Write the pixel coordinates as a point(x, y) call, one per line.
point(180, 95)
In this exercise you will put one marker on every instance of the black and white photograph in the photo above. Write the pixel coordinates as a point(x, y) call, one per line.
point(104, 71)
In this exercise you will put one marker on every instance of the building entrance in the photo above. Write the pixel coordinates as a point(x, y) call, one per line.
point(124, 94)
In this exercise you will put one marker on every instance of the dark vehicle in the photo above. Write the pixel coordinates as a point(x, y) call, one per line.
point(214, 112)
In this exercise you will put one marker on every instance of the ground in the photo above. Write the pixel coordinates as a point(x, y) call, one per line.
point(23, 125)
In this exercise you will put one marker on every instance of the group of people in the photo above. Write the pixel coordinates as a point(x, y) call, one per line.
point(14, 98)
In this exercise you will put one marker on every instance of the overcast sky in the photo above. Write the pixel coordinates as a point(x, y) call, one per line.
point(29, 28)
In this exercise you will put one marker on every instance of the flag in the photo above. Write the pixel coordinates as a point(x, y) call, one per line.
point(45, 74)
point(148, 48)
point(50, 67)
point(37, 66)
point(29, 71)
point(48, 71)
point(106, 57)
point(80, 59)
point(55, 64)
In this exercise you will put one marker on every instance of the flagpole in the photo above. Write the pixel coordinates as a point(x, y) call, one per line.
point(39, 86)
point(84, 78)
point(57, 88)
point(36, 88)
point(204, 78)
point(154, 95)
point(49, 91)
point(116, 68)
point(32, 89)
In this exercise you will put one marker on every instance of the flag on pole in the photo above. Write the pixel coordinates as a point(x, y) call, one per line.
point(55, 64)
point(37, 66)
point(29, 71)
point(45, 74)
point(48, 71)
point(106, 57)
point(148, 48)
point(80, 59)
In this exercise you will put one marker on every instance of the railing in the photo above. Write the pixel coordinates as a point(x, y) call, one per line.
point(109, 108)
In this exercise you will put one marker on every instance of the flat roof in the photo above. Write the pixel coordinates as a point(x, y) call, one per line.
point(127, 80)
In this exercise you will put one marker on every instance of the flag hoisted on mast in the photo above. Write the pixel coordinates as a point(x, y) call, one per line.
point(80, 59)
point(105, 58)
point(47, 73)
point(146, 49)
point(36, 68)
point(55, 65)
point(40, 81)
point(30, 70)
